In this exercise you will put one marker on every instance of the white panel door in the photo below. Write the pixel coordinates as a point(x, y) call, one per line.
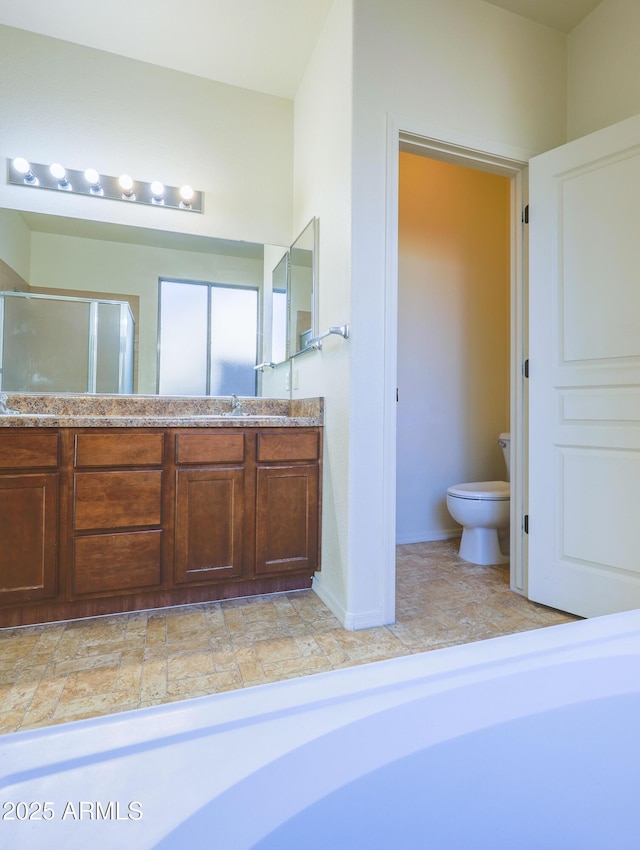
point(584, 385)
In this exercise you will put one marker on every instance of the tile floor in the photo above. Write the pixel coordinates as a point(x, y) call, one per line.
point(66, 671)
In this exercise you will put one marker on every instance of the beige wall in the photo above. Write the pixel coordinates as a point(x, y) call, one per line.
point(604, 67)
point(453, 344)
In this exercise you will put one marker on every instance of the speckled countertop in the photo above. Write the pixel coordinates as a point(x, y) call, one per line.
point(138, 411)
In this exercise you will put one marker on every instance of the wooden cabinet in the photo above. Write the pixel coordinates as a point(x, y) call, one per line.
point(210, 505)
point(287, 502)
point(116, 512)
point(96, 521)
point(28, 517)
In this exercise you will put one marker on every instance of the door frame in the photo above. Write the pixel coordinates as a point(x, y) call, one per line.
point(499, 159)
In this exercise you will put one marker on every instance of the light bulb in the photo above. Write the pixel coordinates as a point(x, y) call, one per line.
point(186, 193)
point(157, 191)
point(126, 184)
point(59, 172)
point(23, 166)
point(93, 179)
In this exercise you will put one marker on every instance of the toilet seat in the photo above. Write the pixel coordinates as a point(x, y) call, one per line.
point(482, 491)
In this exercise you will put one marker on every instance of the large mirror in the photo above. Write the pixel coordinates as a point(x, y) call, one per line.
point(302, 290)
point(87, 259)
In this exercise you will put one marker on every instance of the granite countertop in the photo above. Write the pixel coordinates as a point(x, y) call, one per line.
point(120, 411)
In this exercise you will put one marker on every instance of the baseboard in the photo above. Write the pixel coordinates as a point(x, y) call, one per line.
point(429, 536)
point(348, 619)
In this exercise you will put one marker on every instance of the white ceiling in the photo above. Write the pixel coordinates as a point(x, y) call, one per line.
point(257, 44)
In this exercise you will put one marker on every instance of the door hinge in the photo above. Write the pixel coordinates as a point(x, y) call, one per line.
point(525, 215)
point(397, 395)
point(526, 523)
point(525, 368)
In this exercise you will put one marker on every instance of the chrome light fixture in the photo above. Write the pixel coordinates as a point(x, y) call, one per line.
point(21, 172)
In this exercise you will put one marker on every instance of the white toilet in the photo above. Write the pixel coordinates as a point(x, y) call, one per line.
point(482, 509)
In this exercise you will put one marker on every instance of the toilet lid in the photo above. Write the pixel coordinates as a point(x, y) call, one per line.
point(490, 491)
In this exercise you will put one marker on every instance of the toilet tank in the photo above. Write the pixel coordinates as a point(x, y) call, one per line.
point(504, 441)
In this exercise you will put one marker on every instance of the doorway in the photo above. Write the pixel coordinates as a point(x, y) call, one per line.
point(453, 337)
point(514, 170)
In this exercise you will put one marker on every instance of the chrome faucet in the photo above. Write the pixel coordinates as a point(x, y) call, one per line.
point(4, 410)
point(236, 404)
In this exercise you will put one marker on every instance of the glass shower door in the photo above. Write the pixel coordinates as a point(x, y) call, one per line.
point(60, 344)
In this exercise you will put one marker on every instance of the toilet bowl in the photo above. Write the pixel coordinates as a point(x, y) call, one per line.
point(483, 509)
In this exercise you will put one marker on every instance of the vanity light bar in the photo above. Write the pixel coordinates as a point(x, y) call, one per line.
point(21, 172)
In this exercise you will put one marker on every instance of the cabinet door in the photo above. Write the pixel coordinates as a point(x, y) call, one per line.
point(209, 524)
point(287, 519)
point(28, 537)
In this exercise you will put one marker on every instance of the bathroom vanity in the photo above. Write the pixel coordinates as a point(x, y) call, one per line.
point(112, 503)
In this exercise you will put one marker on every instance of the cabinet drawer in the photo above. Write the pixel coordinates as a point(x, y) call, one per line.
point(291, 446)
point(117, 499)
point(125, 449)
point(24, 450)
point(110, 562)
point(209, 448)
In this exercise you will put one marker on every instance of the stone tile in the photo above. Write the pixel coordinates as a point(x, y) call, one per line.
point(67, 646)
point(187, 642)
point(294, 667)
point(84, 662)
point(234, 619)
point(189, 664)
point(214, 618)
point(281, 649)
point(89, 682)
point(65, 671)
point(49, 638)
point(206, 684)
point(82, 707)
point(16, 646)
point(11, 721)
point(248, 664)
point(154, 679)
point(185, 623)
point(44, 702)
point(156, 629)
point(224, 658)
point(129, 675)
point(21, 692)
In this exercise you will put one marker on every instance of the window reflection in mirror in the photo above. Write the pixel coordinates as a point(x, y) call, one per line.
point(207, 339)
point(302, 289)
